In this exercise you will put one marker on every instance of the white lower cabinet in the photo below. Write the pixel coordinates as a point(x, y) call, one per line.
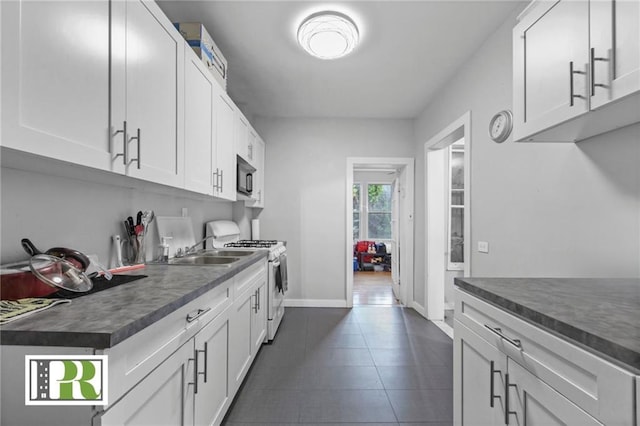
point(510, 372)
point(248, 323)
point(240, 344)
point(188, 388)
point(532, 402)
point(259, 321)
point(164, 397)
point(196, 383)
point(479, 380)
point(212, 395)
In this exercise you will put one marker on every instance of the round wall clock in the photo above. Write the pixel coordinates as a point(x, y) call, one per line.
point(500, 126)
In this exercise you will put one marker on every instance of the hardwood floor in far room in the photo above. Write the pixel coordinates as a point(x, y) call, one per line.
point(373, 288)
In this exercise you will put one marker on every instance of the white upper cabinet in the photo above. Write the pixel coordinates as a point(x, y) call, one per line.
point(242, 135)
point(225, 158)
point(257, 197)
point(571, 57)
point(147, 93)
point(553, 51)
point(615, 50)
point(55, 80)
point(199, 125)
point(245, 138)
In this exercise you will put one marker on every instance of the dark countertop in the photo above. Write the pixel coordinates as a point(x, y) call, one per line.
point(102, 320)
point(601, 315)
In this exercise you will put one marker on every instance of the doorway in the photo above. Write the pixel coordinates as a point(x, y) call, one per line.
point(447, 158)
point(390, 260)
point(375, 236)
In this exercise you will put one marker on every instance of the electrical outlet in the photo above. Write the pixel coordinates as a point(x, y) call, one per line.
point(483, 247)
point(185, 212)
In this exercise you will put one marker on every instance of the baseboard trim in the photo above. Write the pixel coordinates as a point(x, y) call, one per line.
point(315, 303)
point(444, 327)
point(419, 308)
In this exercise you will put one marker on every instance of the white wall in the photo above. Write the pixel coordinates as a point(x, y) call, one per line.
point(305, 193)
point(54, 204)
point(563, 210)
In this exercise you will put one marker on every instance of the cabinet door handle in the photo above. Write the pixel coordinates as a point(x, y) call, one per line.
point(496, 330)
point(198, 373)
point(194, 316)
point(572, 96)
point(125, 151)
point(136, 138)
point(491, 386)
point(507, 412)
point(195, 372)
point(593, 71)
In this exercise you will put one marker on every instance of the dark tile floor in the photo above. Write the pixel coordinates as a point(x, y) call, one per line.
point(367, 365)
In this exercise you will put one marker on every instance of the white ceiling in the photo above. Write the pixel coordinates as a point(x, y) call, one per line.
point(408, 50)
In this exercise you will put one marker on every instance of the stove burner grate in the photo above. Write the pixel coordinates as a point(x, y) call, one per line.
point(253, 243)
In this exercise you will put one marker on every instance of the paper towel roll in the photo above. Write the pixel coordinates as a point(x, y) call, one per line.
point(255, 229)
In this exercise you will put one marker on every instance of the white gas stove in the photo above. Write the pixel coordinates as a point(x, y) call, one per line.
point(226, 234)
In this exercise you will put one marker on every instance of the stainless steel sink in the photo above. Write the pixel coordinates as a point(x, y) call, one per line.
point(204, 260)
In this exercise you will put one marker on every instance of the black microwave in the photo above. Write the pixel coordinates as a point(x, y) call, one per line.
point(245, 177)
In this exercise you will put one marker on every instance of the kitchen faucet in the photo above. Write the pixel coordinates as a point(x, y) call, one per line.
point(189, 250)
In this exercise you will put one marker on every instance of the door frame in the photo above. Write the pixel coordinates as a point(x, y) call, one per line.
point(407, 165)
point(434, 230)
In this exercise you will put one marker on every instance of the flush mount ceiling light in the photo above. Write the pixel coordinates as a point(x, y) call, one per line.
point(328, 35)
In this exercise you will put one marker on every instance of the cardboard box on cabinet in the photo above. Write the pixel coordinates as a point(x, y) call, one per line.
point(201, 42)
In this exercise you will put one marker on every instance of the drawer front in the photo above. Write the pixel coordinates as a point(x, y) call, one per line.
point(597, 386)
point(134, 358)
point(247, 278)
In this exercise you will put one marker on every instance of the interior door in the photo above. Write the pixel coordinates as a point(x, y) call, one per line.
point(395, 235)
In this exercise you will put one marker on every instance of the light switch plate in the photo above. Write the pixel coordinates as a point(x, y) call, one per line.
point(483, 247)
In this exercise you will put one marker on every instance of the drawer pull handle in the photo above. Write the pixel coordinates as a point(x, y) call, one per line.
point(197, 314)
point(491, 395)
point(496, 330)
